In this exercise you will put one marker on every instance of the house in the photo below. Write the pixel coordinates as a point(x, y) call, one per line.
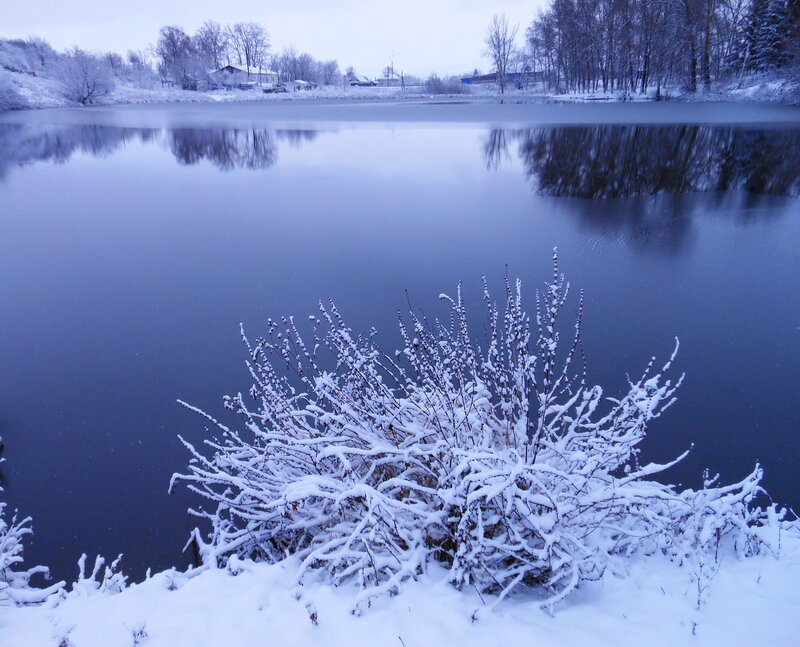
point(390, 79)
point(356, 79)
point(242, 75)
point(299, 84)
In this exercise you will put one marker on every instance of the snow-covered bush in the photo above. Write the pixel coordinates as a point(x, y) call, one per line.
point(86, 77)
point(32, 56)
point(10, 98)
point(498, 462)
point(436, 85)
point(15, 585)
point(103, 578)
point(12, 57)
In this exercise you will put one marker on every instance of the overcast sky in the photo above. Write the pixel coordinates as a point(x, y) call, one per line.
point(445, 36)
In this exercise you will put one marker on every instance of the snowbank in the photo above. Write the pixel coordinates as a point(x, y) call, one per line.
point(34, 91)
point(752, 602)
point(756, 89)
point(39, 92)
point(761, 90)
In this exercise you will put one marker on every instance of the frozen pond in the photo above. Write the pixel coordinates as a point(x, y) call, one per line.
point(133, 241)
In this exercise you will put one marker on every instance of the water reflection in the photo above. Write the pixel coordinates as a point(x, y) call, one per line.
point(595, 162)
point(665, 223)
point(21, 145)
point(619, 161)
point(227, 149)
point(148, 272)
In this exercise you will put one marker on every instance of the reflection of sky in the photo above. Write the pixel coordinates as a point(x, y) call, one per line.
point(124, 277)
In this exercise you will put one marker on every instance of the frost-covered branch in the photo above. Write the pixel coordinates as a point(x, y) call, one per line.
point(15, 585)
point(496, 461)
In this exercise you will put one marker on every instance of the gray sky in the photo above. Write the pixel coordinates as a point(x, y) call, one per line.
point(445, 36)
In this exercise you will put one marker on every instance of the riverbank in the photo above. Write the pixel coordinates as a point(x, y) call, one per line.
point(32, 92)
point(750, 602)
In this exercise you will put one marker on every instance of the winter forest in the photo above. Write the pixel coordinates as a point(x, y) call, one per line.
point(634, 45)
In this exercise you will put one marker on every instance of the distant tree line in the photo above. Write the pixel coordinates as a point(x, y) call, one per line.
point(177, 59)
point(636, 45)
point(187, 60)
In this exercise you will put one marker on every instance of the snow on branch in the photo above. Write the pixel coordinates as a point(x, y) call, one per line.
point(15, 585)
point(497, 462)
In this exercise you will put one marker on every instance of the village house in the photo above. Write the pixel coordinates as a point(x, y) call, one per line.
point(300, 85)
point(390, 79)
point(242, 75)
point(357, 80)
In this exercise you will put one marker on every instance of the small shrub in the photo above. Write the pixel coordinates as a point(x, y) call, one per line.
point(435, 85)
point(15, 581)
point(102, 578)
point(497, 462)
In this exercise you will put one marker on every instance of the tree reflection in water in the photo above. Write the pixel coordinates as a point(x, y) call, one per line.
point(644, 185)
point(619, 161)
point(225, 148)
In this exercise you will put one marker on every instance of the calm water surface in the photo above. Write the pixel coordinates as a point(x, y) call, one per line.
point(134, 241)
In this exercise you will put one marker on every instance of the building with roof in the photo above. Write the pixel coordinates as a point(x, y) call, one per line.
point(239, 75)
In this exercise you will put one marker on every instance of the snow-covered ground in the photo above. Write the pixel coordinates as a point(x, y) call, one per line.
point(773, 90)
point(33, 91)
point(37, 92)
point(751, 602)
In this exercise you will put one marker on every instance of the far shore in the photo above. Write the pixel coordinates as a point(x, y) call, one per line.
point(40, 93)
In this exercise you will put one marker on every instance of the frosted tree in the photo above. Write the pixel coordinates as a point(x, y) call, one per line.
point(767, 35)
point(177, 57)
point(86, 78)
point(329, 72)
point(501, 48)
point(498, 462)
point(250, 42)
point(211, 44)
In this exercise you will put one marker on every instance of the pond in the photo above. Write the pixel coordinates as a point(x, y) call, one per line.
point(136, 240)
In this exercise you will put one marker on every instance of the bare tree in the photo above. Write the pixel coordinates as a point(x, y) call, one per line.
point(306, 67)
point(86, 78)
point(329, 73)
point(634, 45)
point(140, 70)
point(293, 66)
point(115, 63)
point(177, 56)
point(284, 64)
point(500, 47)
point(211, 44)
point(250, 42)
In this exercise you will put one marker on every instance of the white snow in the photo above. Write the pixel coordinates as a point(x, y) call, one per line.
point(752, 602)
point(38, 92)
